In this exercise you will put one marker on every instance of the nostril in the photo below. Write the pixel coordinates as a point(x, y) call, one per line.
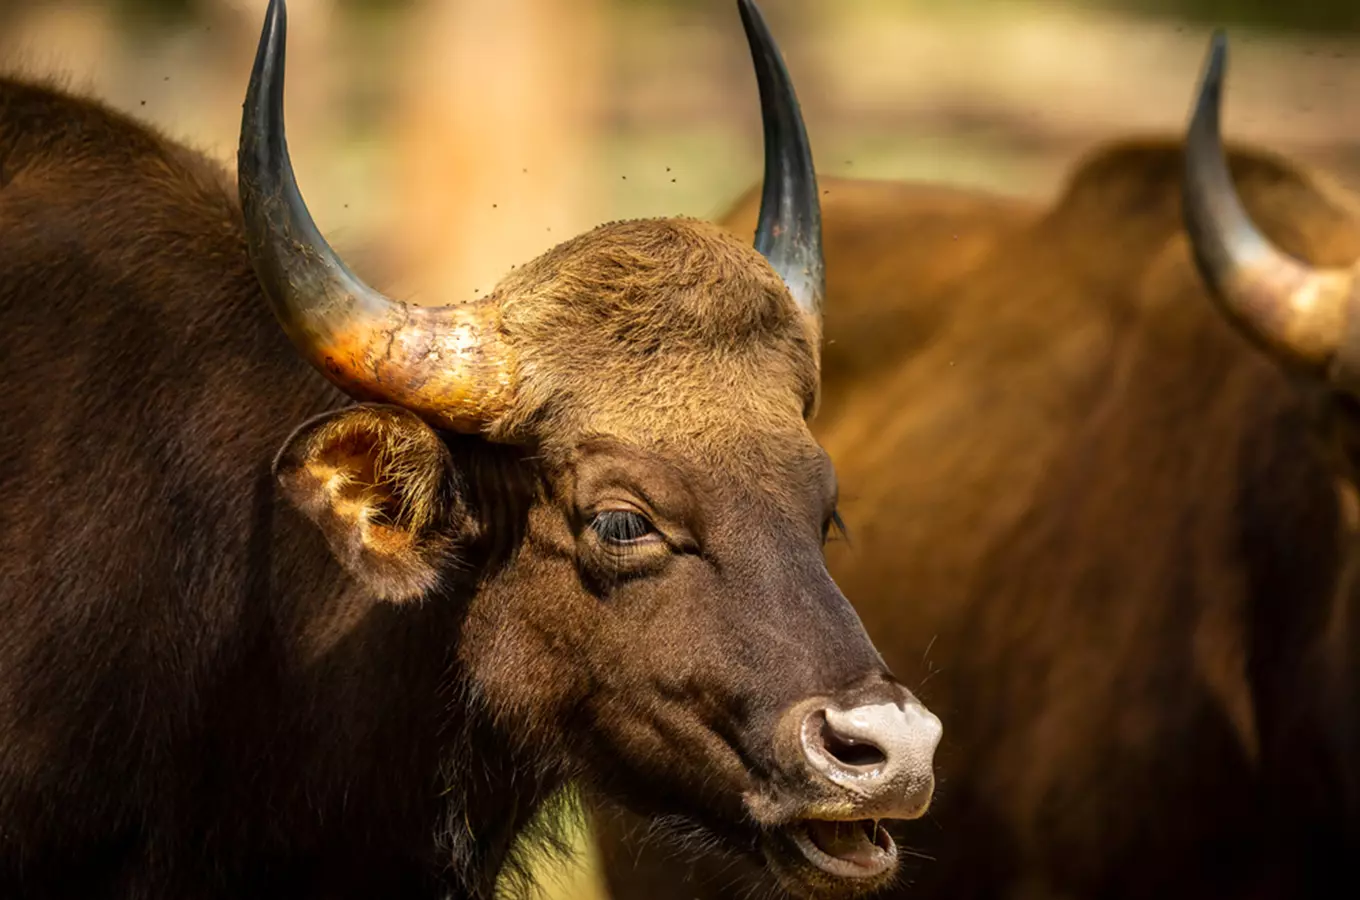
point(850, 751)
point(877, 757)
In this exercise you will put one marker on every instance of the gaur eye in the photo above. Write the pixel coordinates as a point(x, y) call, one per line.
point(621, 526)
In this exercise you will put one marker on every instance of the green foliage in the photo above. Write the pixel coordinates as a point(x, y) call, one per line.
point(1314, 15)
point(376, 6)
point(144, 13)
point(167, 13)
point(1283, 15)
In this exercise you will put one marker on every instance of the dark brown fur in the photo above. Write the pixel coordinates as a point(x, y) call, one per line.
point(1108, 539)
point(202, 690)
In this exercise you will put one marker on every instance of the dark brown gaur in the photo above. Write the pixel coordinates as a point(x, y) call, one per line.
point(1104, 529)
point(257, 640)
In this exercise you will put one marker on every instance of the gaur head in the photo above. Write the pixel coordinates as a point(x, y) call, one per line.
point(606, 462)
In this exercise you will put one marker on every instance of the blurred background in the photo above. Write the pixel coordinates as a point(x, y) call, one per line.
point(439, 142)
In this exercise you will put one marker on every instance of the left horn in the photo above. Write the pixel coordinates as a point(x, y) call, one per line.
point(789, 231)
point(447, 365)
point(1298, 313)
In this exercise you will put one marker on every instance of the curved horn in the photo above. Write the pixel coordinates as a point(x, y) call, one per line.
point(789, 231)
point(447, 365)
point(1295, 311)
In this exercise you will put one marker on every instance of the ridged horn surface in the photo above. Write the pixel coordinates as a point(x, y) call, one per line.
point(445, 364)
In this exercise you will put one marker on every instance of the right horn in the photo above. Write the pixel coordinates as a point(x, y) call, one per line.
point(789, 230)
point(446, 364)
point(1298, 313)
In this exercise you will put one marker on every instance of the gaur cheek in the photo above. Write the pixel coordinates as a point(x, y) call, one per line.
point(530, 659)
point(654, 732)
point(524, 684)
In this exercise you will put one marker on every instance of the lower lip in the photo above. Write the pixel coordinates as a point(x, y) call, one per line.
point(885, 858)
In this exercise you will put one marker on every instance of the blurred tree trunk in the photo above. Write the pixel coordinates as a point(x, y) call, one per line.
point(494, 139)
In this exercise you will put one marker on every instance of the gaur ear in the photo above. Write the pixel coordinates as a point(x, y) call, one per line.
point(381, 486)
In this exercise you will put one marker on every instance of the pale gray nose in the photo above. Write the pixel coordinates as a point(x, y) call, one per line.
point(883, 754)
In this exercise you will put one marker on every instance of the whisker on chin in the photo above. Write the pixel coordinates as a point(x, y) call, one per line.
point(915, 854)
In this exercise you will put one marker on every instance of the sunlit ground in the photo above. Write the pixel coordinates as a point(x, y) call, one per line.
point(576, 879)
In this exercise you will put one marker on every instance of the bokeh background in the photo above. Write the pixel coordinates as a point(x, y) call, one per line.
point(439, 142)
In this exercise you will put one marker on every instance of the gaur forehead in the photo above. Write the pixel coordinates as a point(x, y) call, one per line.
point(657, 327)
point(786, 470)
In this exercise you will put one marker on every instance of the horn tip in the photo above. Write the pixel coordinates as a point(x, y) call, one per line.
point(276, 19)
point(274, 30)
point(1210, 94)
point(273, 35)
point(264, 91)
point(752, 20)
point(1216, 60)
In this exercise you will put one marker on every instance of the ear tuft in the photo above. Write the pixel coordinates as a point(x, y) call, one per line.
point(380, 485)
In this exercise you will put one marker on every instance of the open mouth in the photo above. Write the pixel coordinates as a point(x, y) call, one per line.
point(846, 849)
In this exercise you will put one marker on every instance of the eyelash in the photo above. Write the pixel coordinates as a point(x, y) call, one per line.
point(621, 527)
point(835, 528)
